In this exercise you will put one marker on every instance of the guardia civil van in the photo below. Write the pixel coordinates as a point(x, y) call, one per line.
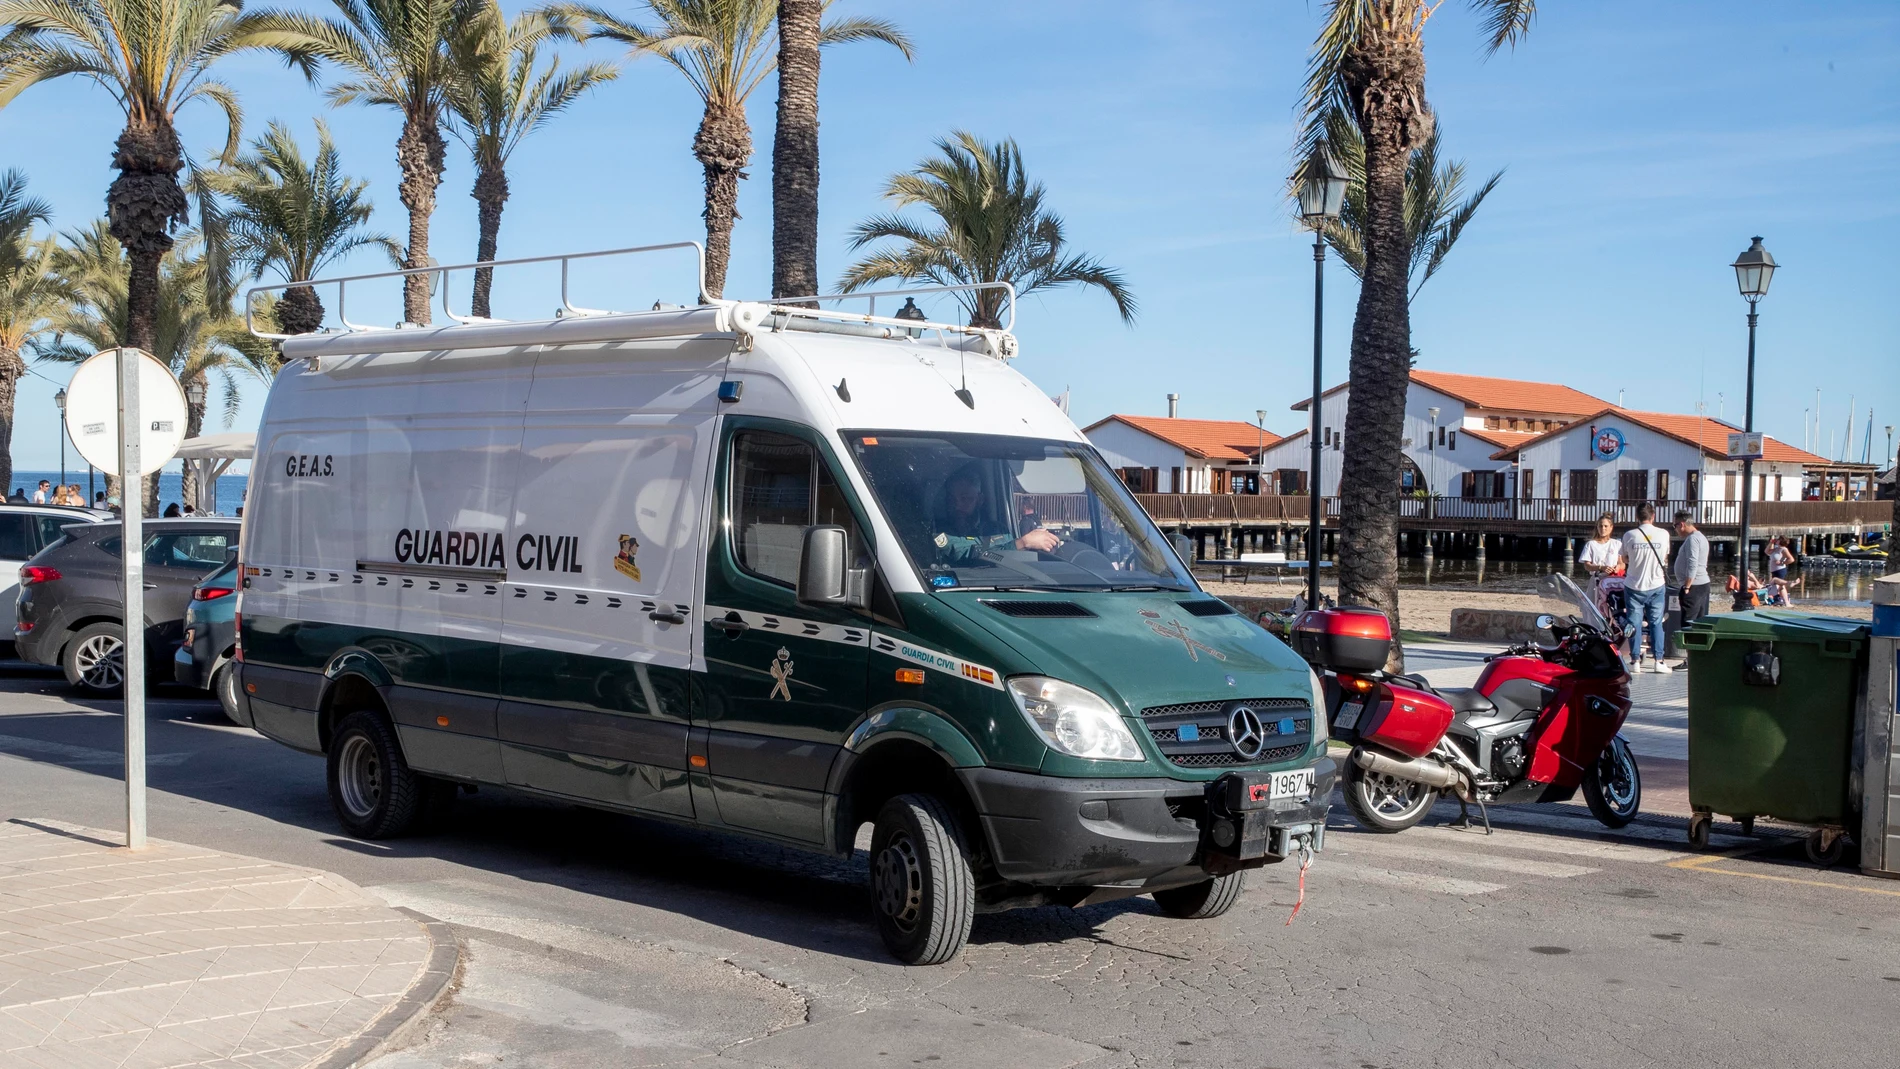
point(777, 569)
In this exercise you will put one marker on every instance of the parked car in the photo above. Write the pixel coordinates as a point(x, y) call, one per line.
point(27, 529)
point(204, 652)
point(70, 612)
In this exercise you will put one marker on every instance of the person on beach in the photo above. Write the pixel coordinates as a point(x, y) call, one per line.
point(1779, 558)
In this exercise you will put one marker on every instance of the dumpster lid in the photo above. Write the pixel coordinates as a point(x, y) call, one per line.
point(1783, 625)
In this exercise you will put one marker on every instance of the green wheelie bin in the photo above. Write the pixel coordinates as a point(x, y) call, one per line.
point(1771, 721)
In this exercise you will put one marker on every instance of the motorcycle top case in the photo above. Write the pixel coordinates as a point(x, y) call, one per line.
point(1345, 639)
point(1406, 721)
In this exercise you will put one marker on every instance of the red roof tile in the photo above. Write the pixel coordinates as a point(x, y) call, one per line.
point(1501, 439)
point(1710, 434)
point(1216, 439)
point(1509, 395)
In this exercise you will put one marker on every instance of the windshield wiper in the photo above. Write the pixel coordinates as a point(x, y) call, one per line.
point(1028, 589)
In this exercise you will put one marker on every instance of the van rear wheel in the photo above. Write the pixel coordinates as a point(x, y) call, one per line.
point(374, 793)
point(1202, 901)
point(921, 881)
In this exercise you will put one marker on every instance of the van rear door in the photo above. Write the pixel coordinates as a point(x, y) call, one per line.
point(603, 555)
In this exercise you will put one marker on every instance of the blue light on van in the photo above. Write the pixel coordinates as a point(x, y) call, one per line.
point(1188, 732)
point(943, 580)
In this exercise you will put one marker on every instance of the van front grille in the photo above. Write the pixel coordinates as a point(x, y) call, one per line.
point(1197, 734)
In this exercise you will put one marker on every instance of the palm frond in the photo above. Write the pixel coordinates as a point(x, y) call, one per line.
point(1505, 21)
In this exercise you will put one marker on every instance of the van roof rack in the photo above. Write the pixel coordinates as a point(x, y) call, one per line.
point(787, 313)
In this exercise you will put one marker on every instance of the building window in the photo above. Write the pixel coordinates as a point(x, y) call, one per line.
point(1632, 486)
point(1451, 440)
point(1692, 486)
point(1583, 485)
point(1556, 485)
point(1441, 436)
point(1662, 485)
point(1174, 480)
point(1529, 482)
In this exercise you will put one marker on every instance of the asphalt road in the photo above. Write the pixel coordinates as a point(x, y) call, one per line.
point(602, 940)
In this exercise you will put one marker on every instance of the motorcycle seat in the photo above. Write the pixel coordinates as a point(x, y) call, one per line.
point(1466, 702)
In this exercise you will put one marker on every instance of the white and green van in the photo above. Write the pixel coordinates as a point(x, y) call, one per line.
point(769, 569)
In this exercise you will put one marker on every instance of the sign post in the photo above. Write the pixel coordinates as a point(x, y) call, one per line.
point(124, 410)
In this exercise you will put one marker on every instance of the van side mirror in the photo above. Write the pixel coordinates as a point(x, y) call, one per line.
point(825, 576)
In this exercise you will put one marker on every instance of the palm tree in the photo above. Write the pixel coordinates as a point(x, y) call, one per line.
point(191, 335)
point(155, 57)
point(292, 216)
point(1436, 208)
point(991, 226)
point(29, 294)
point(1369, 63)
point(725, 48)
point(501, 95)
point(395, 54)
point(795, 150)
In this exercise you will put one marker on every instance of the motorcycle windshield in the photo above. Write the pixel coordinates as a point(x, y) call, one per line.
point(1565, 598)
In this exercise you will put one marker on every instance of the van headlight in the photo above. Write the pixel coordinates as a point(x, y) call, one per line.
point(1320, 728)
point(1074, 721)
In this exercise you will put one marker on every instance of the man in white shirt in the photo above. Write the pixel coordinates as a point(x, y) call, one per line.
point(39, 496)
point(1646, 588)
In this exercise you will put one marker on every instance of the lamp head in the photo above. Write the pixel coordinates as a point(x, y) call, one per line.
point(1754, 269)
point(60, 399)
point(1320, 186)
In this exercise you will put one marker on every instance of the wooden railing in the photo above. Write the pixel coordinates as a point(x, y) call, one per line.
point(1222, 509)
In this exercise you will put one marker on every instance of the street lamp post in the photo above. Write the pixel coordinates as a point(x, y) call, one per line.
point(195, 399)
point(1260, 451)
point(1320, 187)
point(1754, 268)
point(59, 399)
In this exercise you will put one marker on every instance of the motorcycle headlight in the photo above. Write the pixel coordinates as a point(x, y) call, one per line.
point(1320, 728)
point(1074, 721)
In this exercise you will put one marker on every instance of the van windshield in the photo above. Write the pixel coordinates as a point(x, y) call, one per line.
point(990, 512)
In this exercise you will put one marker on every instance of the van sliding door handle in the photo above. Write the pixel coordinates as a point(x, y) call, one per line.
point(732, 625)
point(666, 617)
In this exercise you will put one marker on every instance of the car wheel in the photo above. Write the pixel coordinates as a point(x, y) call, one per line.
point(224, 684)
point(94, 659)
point(374, 793)
point(921, 881)
point(1204, 900)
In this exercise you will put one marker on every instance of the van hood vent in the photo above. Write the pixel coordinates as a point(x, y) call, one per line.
point(1207, 608)
point(1044, 609)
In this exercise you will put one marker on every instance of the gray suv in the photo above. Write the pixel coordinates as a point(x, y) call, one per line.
point(70, 613)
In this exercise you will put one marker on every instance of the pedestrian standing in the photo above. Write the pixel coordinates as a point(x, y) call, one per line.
point(1779, 558)
point(1692, 570)
point(1646, 586)
point(40, 495)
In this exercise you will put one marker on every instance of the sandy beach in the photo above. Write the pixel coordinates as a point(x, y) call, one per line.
point(1429, 611)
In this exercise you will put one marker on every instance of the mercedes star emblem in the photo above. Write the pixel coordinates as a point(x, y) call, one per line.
point(1244, 730)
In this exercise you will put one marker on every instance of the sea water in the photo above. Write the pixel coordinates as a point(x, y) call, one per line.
point(170, 488)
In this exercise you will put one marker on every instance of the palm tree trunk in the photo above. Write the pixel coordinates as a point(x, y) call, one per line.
point(11, 368)
point(491, 193)
point(421, 153)
point(300, 311)
point(194, 425)
point(723, 145)
point(143, 204)
point(795, 151)
point(1387, 75)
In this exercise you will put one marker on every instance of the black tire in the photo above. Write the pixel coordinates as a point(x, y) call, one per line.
point(1699, 830)
point(224, 687)
point(1613, 785)
point(374, 793)
point(1382, 803)
point(94, 659)
point(1828, 856)
point(923, 889)
point(1204, 900)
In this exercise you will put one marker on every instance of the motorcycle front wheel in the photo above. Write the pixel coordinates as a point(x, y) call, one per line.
point(1384, 803)
point(1613, 786)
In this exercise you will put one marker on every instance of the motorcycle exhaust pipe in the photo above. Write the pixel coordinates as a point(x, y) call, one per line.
point(1419, 770)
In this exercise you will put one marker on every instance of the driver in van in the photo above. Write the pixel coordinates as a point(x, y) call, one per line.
point(963, 536)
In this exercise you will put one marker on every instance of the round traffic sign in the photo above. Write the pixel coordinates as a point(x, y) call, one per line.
point(92, 411)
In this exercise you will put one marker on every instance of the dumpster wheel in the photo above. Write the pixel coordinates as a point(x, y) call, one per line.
point(1699, 830)
point(1826, 845)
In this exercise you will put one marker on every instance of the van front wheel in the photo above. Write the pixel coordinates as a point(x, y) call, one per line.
point(374, 793)
point(921, 880)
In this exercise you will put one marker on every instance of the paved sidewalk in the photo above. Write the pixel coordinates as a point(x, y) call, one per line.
point(178, 956)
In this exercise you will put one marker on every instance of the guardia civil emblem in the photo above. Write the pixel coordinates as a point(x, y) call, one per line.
point(624, 560)
point(781, 676)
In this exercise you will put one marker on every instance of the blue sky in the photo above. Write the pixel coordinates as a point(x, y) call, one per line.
point(1643, 145)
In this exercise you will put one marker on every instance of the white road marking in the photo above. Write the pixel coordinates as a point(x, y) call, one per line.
point(1411, 881)
point(1524, 866)
point(29, 749)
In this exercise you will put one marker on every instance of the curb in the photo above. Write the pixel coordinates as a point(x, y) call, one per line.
point(438, 975)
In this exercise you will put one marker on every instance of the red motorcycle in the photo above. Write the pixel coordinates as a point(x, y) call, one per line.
point(1542, 721)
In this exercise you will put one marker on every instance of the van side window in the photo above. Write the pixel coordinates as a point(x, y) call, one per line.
point(780, 487)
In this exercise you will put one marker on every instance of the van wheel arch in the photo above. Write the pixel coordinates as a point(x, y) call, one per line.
point(345, 694)
point(893, 767)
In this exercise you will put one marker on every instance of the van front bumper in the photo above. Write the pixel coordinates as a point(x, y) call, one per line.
point(1053, 832)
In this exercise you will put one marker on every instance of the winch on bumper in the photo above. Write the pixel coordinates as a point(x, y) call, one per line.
point(1145, 833)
